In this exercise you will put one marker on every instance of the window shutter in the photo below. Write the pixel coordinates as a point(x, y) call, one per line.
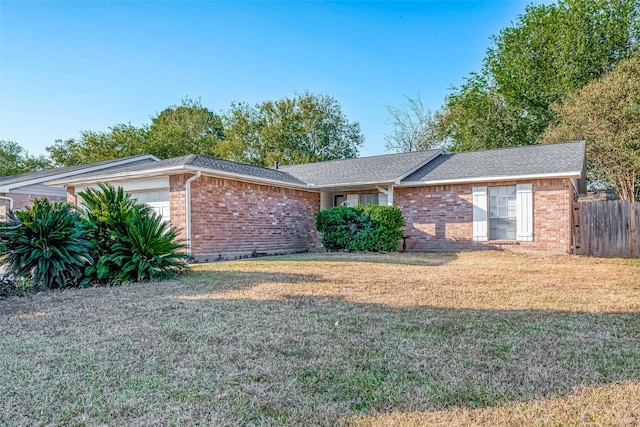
point(382, 199)
point(352, 199)
point(480, 214)
point(524, 212)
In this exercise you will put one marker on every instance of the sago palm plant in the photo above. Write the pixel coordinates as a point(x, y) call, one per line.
point(132, 243)
point(47, 243)
point(147, 250)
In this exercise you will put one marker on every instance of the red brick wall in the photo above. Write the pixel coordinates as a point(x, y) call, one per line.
point(21, 201)
point(177, 203)
point(230, 216)
point(71, 195)
point(441, 217)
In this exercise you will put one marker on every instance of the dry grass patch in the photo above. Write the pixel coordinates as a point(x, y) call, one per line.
point(325, 339)
point(611, 405)
point(478, 280)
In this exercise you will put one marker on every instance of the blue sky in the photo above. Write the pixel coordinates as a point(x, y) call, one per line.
point(87, 65)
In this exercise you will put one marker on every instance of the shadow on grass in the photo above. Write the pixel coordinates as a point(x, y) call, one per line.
point(397, 258)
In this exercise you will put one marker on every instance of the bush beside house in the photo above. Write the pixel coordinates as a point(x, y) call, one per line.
point(371, 228)
point(53, 245)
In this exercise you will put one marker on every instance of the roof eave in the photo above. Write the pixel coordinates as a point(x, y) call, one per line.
point(571, 174)
point(349, 184)
point(50, 178)
point(171, 170)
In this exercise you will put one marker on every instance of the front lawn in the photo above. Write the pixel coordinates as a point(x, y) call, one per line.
point(324, 339)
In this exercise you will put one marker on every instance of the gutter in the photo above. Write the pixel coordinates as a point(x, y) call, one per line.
point(188, 209)
point(491, 178)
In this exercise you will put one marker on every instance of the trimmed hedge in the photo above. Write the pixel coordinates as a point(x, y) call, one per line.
point(371, 228)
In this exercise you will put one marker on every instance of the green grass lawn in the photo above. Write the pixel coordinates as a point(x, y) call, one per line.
point(321, 339)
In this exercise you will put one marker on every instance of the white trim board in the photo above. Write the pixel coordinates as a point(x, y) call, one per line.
point(492, 179)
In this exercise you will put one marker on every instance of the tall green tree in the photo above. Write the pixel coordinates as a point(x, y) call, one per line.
point(606, 115)
point(188, 128)
point(121, 140)
point(549, 52)
point(306, 128)
point(15, 160)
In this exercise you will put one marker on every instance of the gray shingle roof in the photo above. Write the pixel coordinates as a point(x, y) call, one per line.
point(244, 169)
point(194, 161)
point(528, 160)
point(384, 168)
point(42, 175)
point(518, 161)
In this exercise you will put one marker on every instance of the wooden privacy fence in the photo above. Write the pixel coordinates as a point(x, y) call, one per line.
point(607, 229)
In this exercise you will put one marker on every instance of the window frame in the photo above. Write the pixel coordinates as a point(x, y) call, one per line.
point(510, 216)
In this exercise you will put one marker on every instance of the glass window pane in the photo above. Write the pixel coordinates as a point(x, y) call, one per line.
point(502, 213)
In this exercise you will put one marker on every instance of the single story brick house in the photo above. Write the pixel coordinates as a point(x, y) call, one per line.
point(19, 191)
point(516, 199)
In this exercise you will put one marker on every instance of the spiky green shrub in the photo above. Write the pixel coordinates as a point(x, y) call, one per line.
point(147, 250)
point(108, 210)
point(132, 243)
point(362, 228)
point(46, 243)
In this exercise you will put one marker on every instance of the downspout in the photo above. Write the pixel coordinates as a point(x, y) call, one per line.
point(188, 209)
point(9, 199)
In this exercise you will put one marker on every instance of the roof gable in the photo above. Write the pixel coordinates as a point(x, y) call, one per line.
point(360, 170)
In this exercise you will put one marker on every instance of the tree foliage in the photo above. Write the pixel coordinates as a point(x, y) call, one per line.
point(306, 128)
point(175, 131)
point(550, 51)
point(15, 160)
point(606, 115)
point(414, 127)
point(121, 140)
point(188, 128)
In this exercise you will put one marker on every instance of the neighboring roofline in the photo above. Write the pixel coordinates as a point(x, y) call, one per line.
point(178, 168)
point(439, 152)
point(53, 177)
point(572, 174)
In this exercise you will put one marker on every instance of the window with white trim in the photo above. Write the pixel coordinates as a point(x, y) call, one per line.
point(502, 213)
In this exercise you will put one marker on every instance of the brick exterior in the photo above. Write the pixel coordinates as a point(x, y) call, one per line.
point(71, 195)
point(21, 201)
point(233, 218)
point(440, 218)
